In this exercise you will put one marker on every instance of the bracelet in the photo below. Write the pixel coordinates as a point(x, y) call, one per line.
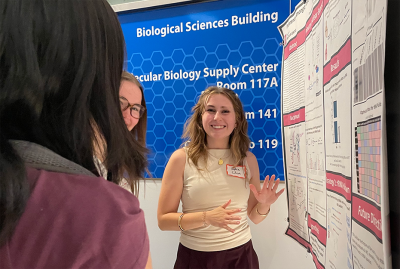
point(204, 219)
point(264, 215)
point(179, 222)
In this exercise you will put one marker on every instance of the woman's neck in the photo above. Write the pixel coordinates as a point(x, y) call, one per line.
point(218, 145)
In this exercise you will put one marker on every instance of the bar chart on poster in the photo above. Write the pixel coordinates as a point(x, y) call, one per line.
point(333, 130)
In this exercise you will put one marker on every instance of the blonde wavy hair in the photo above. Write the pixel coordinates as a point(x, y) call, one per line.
point(196, 139)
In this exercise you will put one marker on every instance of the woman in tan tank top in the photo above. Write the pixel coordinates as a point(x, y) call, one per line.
point(213, 176)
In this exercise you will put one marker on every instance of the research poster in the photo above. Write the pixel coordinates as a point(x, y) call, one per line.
point(177, 52)
point(334, 131)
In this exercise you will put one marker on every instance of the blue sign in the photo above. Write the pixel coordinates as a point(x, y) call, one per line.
point(178, 52)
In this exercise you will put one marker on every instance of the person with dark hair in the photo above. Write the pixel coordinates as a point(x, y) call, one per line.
point(213, 175)
point(60, 70)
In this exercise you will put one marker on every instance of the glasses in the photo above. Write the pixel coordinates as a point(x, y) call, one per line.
point(136, 109)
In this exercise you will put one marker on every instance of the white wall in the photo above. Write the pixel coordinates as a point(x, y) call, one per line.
point(273, 247)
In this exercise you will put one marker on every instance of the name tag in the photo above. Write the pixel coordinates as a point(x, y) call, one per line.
point(236, 171)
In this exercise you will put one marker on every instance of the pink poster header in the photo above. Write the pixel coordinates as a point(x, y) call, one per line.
point(317, 230)
point(294, 117)
point(339, 184)
point(338, 62)
point(368, 216)
point(294, 43)
point(316, 15)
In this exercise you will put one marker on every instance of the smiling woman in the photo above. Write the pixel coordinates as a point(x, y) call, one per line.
point(132, 91)
point(195, 131)
point(218, 181)
point(133, 108)
point(218, 121)
point(130, 98)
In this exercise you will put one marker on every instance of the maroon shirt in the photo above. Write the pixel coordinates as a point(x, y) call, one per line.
point(76, 221)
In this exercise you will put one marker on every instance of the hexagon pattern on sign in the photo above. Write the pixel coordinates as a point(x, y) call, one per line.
point(169, 102)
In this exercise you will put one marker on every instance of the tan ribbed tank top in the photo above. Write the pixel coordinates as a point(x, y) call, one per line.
point(209, 189)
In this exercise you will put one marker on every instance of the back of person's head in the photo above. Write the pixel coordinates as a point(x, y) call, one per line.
point(60, 70)
point(139, 131)
point(194, 132)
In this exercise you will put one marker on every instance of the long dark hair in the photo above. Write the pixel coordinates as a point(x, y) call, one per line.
point(60, 71)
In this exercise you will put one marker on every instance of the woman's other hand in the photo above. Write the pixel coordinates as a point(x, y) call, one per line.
point(267, 195)
point(221, 217)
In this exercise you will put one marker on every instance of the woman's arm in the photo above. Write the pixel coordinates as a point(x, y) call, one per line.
point(170, 195)
point(149, 264)
point(260, 200)
point(171, 192)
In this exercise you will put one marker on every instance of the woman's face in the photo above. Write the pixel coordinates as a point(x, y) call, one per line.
point(218, 120)
point(132, 93)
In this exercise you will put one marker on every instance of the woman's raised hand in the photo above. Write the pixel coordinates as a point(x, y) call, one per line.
point(267, 195)
point(221, 217)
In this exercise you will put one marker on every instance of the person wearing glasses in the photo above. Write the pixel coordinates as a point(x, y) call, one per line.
point(133, 106)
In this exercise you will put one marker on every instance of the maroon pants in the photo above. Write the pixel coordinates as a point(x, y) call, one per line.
point(241, 257)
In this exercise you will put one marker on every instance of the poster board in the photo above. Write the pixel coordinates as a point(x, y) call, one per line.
point(334, 131)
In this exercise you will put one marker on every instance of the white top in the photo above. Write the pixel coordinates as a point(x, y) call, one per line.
point(103, 173)
point(206, 190)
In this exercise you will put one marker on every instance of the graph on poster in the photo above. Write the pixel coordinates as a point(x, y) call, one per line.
point(295, 148)
point(332, 93)
point(368, 156)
